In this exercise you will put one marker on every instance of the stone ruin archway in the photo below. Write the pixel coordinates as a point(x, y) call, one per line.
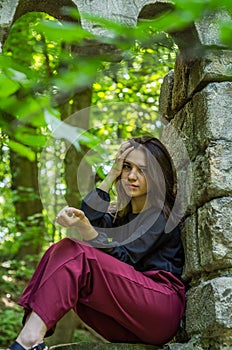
point(196, 99)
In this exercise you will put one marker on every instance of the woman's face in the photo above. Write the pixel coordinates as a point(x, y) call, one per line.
point(133, 174)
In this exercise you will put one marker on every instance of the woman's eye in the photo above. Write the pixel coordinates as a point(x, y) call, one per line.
point(126, 166)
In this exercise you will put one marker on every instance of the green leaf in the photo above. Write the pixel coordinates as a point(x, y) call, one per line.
point(29, 138)
point(22, 150)
point(8, 63)
point(8, 86)
point(27, 110)
point(63, 32)
point(81, 73)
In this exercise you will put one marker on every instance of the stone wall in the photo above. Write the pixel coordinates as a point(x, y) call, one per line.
point(196, 99)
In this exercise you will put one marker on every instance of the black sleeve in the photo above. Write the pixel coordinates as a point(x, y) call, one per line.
point(95, 206)
point(142, 241)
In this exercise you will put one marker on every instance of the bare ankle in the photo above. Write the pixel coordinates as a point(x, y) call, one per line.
point(29, 340)
point(33, 332)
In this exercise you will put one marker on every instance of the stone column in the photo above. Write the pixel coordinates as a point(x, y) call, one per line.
point(7, 11)
point(197, 101)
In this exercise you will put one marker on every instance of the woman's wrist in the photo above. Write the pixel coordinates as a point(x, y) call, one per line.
point(107, 183)
point(88, 233)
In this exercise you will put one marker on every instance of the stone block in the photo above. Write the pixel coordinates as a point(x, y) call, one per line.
point(193, 344)
point(214, 234)
point(175, 143)
point(209, 309)
point(206, 176)
point(165, 98)
point(208, 28)
point(191, 248)
point(103, 346)
point(210, 112)
point(8, 8)
point(191, 75)
point(205, 118)
point(213, 66)
point(180, 87)
point(207, 240)
point(222, 342)
point(186, 123)
point(212, 176)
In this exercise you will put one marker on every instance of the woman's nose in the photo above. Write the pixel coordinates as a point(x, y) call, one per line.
point(132, 174)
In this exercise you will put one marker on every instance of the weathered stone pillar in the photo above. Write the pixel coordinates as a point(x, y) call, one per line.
point(7, 11)
point(197, 100)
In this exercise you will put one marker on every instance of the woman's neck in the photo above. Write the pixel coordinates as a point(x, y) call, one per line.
point(139, 204)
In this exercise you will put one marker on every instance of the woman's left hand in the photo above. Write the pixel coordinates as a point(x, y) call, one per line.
point(72, 217)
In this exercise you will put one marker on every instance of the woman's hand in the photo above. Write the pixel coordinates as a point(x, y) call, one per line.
point(116, 169)
point(72, 217)
point(124, 150)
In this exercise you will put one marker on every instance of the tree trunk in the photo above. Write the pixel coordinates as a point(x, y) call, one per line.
point(80, 119)
point(28, 206)
point(68, 324)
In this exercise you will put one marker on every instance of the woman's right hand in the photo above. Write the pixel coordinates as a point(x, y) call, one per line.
point(124, 150)
point(116, 169)
point(72, 217)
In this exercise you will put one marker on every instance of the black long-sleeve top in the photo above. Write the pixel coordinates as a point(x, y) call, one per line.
point(137, 239)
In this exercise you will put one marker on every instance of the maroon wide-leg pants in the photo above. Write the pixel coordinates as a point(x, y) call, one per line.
point(120, 303)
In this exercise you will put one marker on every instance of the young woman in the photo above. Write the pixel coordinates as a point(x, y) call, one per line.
point(124, 278)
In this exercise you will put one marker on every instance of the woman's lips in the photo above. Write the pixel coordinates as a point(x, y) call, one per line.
point(132, 186)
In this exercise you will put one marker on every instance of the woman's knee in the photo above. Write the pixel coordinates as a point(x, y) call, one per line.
point(68, 247)
point(65, 244)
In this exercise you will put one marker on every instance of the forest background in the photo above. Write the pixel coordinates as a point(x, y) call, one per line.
point(66, 103)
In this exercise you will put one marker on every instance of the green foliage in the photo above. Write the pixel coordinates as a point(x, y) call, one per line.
point(13, 276)
point(45, 64)
point(10, 324)
point(7, 211)
point(71, 33)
